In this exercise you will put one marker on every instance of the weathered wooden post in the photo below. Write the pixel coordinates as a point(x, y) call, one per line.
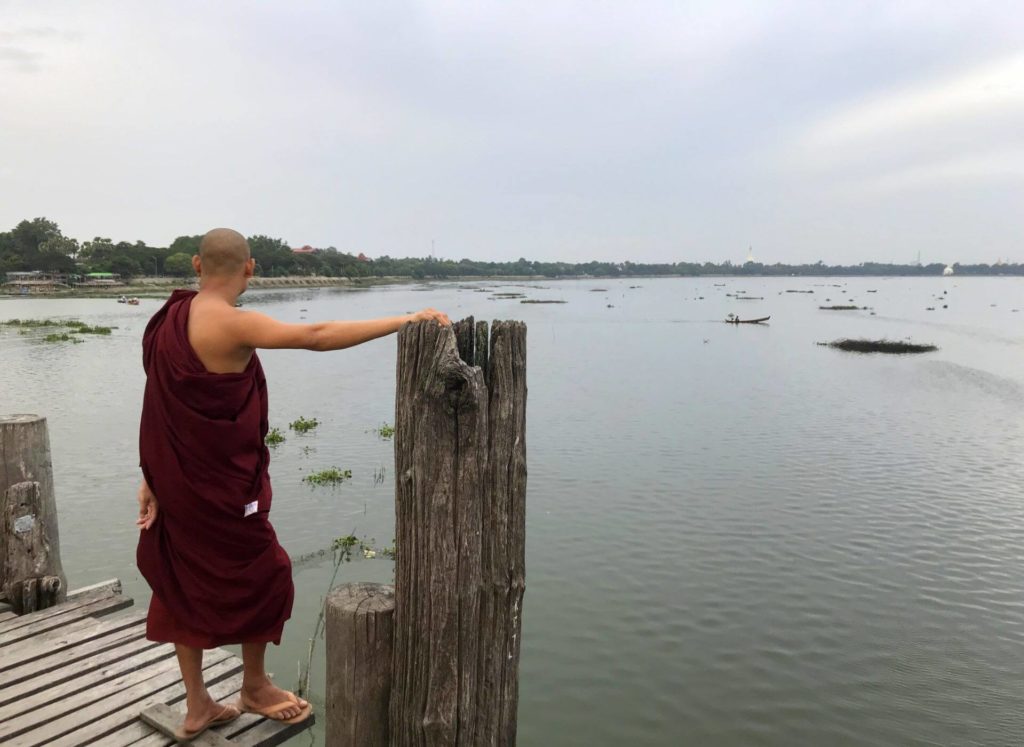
point(460, 470)
point(31, 574)
point(360, 638)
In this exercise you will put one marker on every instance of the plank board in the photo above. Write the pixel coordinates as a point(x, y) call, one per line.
point(55, 611)
point(67, 721)
point(249, 729)
point(128, 659)
point(111, 585)
point(54, 683)
point(69, 679)
point(166, 720)
point(122, 726)
point(72, 635)
point(23, 627)
point(268, 733)
point(75, 703)
point(138, 734)
point(75, 656)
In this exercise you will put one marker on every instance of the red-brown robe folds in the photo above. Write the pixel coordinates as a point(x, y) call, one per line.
point(218, 576)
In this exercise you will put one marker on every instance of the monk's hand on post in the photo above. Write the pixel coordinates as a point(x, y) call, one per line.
point(147, 506)
point(427, 314)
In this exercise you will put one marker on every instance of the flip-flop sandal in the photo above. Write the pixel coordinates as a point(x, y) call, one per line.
point(296, 700)
point(227, 714)
point(269, 711)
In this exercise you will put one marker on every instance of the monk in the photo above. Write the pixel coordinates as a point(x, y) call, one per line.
point(206, 545)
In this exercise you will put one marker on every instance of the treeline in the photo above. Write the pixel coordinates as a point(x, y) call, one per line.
point(39, 245)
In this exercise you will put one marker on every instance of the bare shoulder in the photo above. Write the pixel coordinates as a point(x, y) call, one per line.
point(213, 331)
point(211, 313)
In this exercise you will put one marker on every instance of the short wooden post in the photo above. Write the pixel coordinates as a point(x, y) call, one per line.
point(460, 470)
point(31, 573)
point(359, 631)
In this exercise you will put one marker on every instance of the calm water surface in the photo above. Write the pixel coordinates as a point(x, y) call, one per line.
point(734, 537)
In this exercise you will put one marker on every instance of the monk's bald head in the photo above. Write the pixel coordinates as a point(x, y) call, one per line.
point(223, 252)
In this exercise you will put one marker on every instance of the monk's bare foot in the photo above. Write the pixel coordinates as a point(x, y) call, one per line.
point(198, 716)
point(262, 694)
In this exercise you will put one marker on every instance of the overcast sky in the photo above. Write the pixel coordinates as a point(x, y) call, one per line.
point(840, 131)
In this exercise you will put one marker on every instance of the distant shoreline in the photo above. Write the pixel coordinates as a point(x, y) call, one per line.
point(160, 287)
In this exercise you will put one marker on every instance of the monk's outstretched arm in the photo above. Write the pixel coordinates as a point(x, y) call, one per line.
point(256, 330)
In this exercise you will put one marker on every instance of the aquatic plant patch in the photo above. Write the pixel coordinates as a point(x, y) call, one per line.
point(893, 347)
point(303, 424)
point(332, 476)
point(62, 337)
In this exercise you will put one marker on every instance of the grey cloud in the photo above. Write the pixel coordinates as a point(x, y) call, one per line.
point(32, 32)
point(571, 130)
point(22, 60)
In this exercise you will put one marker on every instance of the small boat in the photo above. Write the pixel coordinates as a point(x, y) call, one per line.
point(122, 299)
point(132, 302)
point(736, 320)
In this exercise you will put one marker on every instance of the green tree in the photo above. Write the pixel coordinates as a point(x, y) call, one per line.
point(98, 253)
point(186, 244)
point(178, 264)
point(273, 256)
point(30, 234)
point(125, 266)
point(62, 245)
point(56, 254)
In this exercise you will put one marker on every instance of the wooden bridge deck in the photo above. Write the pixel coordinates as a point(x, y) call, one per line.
point(79, 674)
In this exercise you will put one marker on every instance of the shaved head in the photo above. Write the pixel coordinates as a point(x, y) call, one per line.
point(223, 252)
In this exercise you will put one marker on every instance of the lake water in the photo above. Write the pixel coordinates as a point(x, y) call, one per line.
point(734, 536)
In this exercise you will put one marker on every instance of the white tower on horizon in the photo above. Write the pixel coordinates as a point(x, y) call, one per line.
point(750, 254)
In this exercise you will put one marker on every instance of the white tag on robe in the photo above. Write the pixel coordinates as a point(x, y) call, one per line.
point(250, 508)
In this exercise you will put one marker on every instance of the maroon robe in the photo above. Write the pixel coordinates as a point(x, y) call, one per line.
point(219, 576)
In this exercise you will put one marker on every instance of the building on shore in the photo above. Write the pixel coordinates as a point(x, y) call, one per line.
point(100, 279)
point(34, 281)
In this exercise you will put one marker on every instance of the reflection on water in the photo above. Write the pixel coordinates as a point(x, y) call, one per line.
point(734, 537)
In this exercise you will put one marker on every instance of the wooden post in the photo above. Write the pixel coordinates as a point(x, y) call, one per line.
point(460, 470)
point(360, 620)
point(504, 535)
point(30, 569)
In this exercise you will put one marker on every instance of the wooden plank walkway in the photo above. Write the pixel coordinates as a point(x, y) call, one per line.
point(78, 674)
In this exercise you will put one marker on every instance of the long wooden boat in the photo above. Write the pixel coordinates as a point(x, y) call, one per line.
point(737, 320)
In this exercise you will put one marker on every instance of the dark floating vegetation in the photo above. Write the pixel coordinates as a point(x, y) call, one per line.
point(840, 308)
point(303, 424)
point(800, 291)
point(332, 476)
point(601, 290)
point(344, 547)
point(537, 300)
point(62, 337)
point(385, 431)
point(892, 347)
point(34, 323)
point(84, 329)
point(274, 437)
point(74, 326)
